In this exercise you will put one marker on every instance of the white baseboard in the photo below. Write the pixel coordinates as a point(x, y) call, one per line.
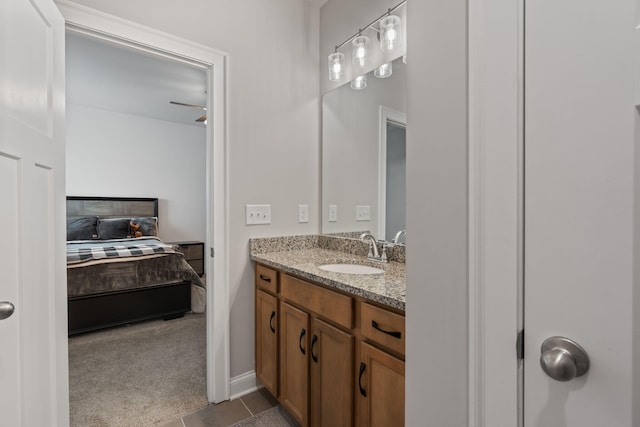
point(243, 384)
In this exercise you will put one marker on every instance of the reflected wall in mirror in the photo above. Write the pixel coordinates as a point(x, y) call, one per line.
point(364, 157)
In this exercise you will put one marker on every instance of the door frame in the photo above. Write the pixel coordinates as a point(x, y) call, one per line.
point(496, 214)
point(93, 23)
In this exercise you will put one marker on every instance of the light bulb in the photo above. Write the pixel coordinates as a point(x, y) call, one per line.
point(359, 82)
point(360, 50)
point(336, 66)
point(389, 32)
point(385, 70)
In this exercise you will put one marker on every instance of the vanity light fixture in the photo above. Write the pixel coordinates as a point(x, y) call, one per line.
point(385, 70)
point(387, 26)
point(389, 33)
point(360, 50)
point(359, 82)
point(336, 66)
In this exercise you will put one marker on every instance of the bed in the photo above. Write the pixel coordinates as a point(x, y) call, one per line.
point(115, 277)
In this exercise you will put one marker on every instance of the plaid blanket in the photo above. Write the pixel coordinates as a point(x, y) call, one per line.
point(83, 251)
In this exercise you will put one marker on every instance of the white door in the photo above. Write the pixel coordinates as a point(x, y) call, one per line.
point(33, 349)
point(579, 206)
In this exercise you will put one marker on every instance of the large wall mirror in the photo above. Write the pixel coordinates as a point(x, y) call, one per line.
point(364, 157)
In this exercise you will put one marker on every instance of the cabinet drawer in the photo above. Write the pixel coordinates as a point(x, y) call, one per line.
point(267, 278)
point(197, 265)
point(194, 251)
point(383, 327)
point(330, 305)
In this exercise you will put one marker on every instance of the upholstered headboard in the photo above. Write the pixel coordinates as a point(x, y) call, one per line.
point(111, 207)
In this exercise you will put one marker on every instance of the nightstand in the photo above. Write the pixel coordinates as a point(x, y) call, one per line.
point(193, 252)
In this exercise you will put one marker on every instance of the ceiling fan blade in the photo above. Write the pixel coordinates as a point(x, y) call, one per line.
point(188, 105)
point(202, 118)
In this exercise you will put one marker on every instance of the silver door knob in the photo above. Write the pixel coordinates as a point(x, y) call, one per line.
point(563, 359)
point(6, 309)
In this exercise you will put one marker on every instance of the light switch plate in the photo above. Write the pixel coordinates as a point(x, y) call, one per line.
point(333, 213)
point(257, 214)
point(363, 213)
point(303, 213)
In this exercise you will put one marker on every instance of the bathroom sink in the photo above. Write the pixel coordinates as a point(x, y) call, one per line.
point(351, 269)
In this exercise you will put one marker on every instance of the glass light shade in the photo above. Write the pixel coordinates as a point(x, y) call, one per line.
point(360, 50)
point(385, 70)
point(389, 33)
point(336, 66)
point(359, 82)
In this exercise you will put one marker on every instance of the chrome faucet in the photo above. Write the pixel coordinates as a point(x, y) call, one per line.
point(374, 253)
point(398, 235)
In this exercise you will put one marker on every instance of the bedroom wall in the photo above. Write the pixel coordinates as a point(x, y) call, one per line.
point(116, 154)
point(273, 121)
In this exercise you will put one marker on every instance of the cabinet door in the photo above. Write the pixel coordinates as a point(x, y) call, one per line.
point(380, 388)
point(331, 376)
point(294, 362)
point(267, 341)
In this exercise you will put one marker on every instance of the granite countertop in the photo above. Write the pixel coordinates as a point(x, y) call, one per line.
point(388, 288)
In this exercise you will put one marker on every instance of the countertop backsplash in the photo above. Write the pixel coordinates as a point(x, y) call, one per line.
point(330, 242)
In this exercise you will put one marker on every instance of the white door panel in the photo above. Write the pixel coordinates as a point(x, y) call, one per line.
point(10, 356)
point(579, 193)
point(33, 368)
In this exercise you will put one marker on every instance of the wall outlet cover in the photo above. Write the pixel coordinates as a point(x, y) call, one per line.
point(303, 214)
point(333, 213)
point(363, 213)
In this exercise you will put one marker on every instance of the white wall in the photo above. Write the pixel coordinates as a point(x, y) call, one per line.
point(437, 291)
point(273, 117)
point(115, 154)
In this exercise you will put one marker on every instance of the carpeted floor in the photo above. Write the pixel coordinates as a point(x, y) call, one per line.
point(139, 375)
point(274, 417)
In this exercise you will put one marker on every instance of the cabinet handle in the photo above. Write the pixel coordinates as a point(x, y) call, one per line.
point(392, 333)
point(273, 314)
point(302, 333)
point(313, 343)
point(265, 278)
point(363, 392)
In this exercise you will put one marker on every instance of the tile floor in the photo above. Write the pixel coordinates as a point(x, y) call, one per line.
point(227, 413)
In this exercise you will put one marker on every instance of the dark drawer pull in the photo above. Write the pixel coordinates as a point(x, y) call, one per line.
point(363, 392)
point(313, 343)
point(265, 278)
point(273, 314)
point(394, 334)
point(302, 333)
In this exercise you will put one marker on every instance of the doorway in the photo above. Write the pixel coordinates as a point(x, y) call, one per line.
point(124, 137)
point(392, 167)
point(91, 23)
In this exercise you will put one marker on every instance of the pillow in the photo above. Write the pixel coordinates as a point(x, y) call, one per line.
point(82, 228)
point(113, 228)
point(148, 225)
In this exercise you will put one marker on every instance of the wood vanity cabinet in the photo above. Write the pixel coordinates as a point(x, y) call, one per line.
point(332, 359)
point(310, 349)
point(267, 328)
point(267, 340)
point(380, 388)
point(381, 374)
point(294, 362)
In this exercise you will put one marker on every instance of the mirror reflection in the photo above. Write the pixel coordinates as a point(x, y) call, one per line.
point(364, 158)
